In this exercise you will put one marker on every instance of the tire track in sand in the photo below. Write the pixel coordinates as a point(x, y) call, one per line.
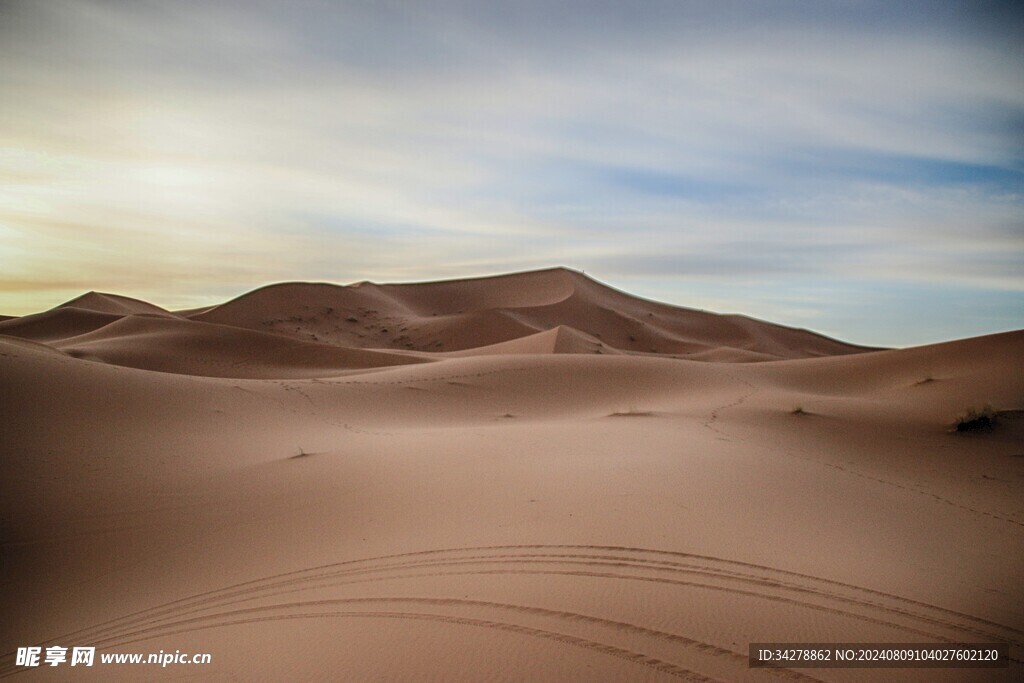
point(226, 619)
point(755, 587)
point(792, 581)
point(801, 583)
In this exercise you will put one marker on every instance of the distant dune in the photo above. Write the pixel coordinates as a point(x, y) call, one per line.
point(548, 311)
point(525, 477)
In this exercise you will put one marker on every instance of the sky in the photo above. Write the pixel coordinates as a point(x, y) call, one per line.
point(856, 168)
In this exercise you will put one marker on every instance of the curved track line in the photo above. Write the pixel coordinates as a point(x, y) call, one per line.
point(298, 575)
point(788, 601)
point(573, 617)
point(654, 565)
point(302, 584)
point(594, 646)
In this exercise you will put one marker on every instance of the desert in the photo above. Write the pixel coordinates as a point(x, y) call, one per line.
point(532, 476)
point(530, 341)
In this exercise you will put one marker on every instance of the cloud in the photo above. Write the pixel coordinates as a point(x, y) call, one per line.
point(187, 149)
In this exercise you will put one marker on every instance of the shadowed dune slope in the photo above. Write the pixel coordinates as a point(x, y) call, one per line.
point(56, 324)
point(83, 314)
point(203, 349)
point(560, 339)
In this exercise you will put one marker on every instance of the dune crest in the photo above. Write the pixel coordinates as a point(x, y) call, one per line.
point(100, 302)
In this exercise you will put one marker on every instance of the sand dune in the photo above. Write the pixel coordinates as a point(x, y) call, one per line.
point(195, 348)
point(464, 314)
point(115, 304)
point(83, 314)
point(538, 498)
point(56, 324)
point(560, 339)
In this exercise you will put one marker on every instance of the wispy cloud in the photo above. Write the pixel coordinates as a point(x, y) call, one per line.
point(177, 151)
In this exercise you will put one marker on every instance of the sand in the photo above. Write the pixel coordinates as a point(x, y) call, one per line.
point(526, 477)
